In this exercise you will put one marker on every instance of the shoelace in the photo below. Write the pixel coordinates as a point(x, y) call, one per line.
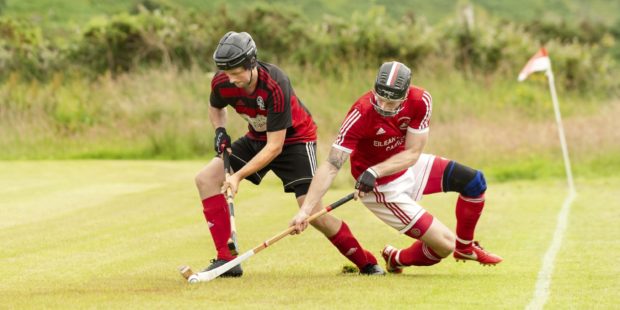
point(476, 244)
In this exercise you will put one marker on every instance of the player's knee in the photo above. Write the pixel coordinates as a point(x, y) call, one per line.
point(327, 225)
point(319, 223)
point(446, 246)
point(467, 181)
point(450, 243)
point(322, 225)
point(199, 180)
point(208, 178)
point(476, 187)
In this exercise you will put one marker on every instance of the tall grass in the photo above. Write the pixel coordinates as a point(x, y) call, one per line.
point(492, 123)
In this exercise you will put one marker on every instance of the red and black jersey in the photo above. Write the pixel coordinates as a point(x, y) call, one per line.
point(371, 138)
point(273, 106)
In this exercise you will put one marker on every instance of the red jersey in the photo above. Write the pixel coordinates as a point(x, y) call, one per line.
point(371, 138)
point(273, 106)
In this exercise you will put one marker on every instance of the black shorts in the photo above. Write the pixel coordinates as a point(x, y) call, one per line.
point(295, 166)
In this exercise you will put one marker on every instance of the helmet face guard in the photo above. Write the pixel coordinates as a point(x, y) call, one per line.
point(384, 112)
point(235, 50)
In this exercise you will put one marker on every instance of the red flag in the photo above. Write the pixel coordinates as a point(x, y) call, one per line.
point(539, 62)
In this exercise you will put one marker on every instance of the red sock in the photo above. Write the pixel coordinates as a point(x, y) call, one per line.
point(468, 210)
point(418, 254)
point(350, 248)
point(215, 209)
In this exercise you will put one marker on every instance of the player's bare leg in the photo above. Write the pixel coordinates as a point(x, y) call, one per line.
point(209, 180)
point(339, 234)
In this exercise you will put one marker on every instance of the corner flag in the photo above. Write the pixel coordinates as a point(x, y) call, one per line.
point(539, 62)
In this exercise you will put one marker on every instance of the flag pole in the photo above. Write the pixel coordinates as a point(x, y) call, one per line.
point(543, 282)
point(558, 119)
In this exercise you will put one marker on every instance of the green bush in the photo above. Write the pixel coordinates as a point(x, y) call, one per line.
point(24, 50)
point(123, 42)
point(155, 35)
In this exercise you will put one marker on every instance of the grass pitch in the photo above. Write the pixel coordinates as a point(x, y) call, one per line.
point(110, 234)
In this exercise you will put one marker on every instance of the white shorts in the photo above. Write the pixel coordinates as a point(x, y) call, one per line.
point(395, 203)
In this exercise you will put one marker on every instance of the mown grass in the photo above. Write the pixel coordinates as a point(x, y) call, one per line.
point(110, 234)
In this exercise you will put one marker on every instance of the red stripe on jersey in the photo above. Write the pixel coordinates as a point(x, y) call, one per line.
point(276, 91)
point(262, 74)
point(303, 129)
point(260, 92)
point(279, 104)
point(278, 99)
point(251, 112)
point(220, 78)
point(226, 92)
point(393, 74)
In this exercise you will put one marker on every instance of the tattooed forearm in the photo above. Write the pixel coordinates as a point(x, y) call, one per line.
point(337, 158)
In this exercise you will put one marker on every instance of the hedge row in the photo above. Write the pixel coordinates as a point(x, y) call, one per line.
point(584, 55)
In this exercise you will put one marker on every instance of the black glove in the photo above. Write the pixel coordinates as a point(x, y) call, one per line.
point(366, 181)
point(222, 140)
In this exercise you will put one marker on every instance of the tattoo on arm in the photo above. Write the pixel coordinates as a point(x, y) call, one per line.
point(337, 158)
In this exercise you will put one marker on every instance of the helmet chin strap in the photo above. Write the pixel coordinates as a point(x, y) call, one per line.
point(251, 76)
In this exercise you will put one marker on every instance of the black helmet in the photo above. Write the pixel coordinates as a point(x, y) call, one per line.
point(393, 81)
point(235, 49)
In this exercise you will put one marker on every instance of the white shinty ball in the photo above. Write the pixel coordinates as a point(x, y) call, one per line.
point(193, 279)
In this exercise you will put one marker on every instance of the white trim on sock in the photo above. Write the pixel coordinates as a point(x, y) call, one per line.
point(463, 241)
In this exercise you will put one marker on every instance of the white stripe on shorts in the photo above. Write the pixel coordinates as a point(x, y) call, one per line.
point(311, 156)
point(395, 203)
point(380, 198)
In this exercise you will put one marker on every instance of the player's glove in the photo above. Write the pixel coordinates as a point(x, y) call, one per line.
point(366, 181)
point(222, 140)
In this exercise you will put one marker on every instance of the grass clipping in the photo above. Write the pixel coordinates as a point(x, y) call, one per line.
point(349, 269)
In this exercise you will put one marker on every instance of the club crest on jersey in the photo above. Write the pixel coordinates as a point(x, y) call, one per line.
point(260, 102)
point(403, 122)
point(415, 232)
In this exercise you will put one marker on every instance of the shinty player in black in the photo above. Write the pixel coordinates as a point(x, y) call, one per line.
point(281, 138)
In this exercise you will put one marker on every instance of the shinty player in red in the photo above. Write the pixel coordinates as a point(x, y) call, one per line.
point(281, 138)
point(384, 133)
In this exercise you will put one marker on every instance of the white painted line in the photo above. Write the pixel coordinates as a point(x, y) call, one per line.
point(541, 293)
